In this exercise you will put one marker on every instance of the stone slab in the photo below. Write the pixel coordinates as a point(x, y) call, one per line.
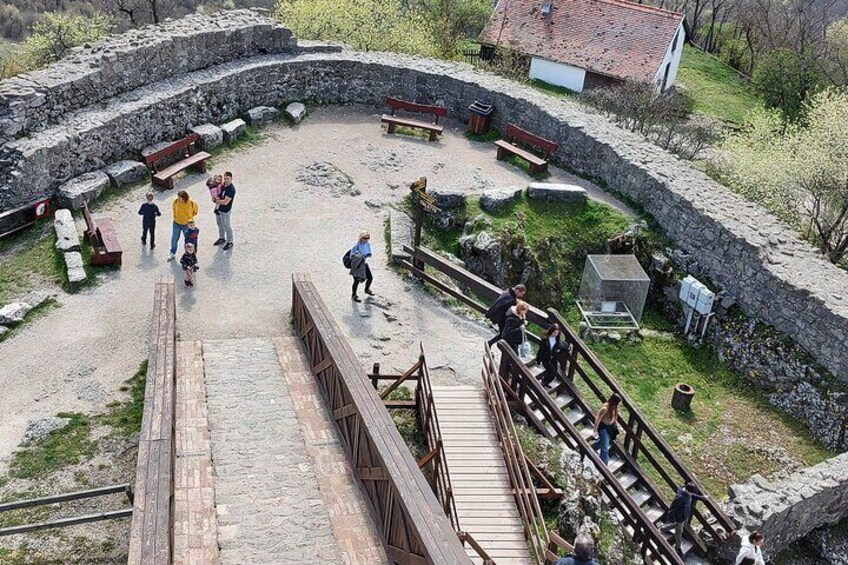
point(556, 192)
point(496, 200)
point(296, 111)
point(400, 226)
point(75, 266)
point(233, 130)
point(209, 136)
point(14, 313)
point(261, 115)
point(448, 199)
point(83, 189)
point(123, 173)
point(67, 236)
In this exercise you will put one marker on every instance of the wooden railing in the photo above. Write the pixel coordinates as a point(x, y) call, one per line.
point(411, 521)
point(151, 532)
point(641, 442)
point(522, 385)
point(542, 545)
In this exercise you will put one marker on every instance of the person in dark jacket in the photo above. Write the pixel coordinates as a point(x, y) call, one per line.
point(497, 311)
point(680, 512)
point(549, 349)
point(584, 552)
point(514, 322)
point(149, 212)
point(359, 269)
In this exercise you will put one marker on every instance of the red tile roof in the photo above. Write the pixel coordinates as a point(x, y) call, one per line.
point(611, 37)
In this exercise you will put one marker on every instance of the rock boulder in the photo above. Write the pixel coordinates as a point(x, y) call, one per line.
point(209, 136)
point(14, 313)
point(555, 192)
point(296, 111)
point(262, 115)
point(83, 189)
point(123, 173)
point(496, 200)
point(67, 237)
point(75, 267)
point(401, 230)
point(233, 130)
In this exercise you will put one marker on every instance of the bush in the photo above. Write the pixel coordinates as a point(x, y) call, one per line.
point(784, 78)
point(55, 34)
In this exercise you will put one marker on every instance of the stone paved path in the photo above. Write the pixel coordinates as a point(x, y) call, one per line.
point(269, 507)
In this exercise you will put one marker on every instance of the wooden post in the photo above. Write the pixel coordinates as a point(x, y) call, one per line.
point(375, 371)
point(682, 397)
point(419, 188)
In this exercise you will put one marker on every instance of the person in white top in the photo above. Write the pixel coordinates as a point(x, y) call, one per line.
point(752, 549)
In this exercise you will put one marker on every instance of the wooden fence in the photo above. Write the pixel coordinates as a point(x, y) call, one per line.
point(411, 521)
point(151, 532)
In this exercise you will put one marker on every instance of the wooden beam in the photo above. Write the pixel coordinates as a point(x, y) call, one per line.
point(429, 457)
point(344, 412)
point(391, 388)
point(371, 473)
point(322, 366)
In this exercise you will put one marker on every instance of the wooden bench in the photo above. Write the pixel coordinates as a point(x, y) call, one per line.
point(508, 146)
point(393, 121)
point(16, 219)
point(101, 235)
point(190, 159)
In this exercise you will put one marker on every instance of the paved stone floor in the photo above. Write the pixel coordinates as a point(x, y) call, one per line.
point(270, 510)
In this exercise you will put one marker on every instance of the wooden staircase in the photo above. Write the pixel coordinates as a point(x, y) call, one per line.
point(485, 504)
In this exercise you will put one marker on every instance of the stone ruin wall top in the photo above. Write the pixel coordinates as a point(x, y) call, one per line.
point(120, 63)
point(776, 277)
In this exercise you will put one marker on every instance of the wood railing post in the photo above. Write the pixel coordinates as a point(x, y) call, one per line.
point(375, 380)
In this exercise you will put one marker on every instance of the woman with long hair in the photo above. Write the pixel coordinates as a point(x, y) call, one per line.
point(359, 269)
point(547, 354)
point(606, 427)
point(516, 319)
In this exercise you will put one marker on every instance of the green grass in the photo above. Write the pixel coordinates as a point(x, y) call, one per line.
point(29, 259)
point(715, 88)
point(67, 446)
point(125, 416)
point(725, 436)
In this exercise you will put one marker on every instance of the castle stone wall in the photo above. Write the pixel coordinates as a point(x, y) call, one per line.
point(775, 277)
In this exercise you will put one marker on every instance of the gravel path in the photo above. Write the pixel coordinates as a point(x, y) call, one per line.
point(75, 358)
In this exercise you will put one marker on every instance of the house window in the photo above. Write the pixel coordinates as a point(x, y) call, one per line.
point(674, 43)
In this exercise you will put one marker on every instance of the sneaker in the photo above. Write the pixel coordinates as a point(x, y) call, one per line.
point(355, 298)
point(171, 257)
point(219, 241)
point(152, 245)
point(369, 292)
point(143, 241)
point(187, 283)
point(228, 246)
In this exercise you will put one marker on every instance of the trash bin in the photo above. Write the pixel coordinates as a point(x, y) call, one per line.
point(480, 117)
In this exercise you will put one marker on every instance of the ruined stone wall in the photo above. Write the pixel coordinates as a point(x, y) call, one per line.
point(788, 509)
point(775, 277)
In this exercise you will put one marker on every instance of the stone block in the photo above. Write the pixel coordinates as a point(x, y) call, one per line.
point(75, 267)
point(555, 192)
point(67, 237)
point(233, 130)
point(296, 111)
point(401, 231)
point(124, 173)
point(448, 199)
point(83, 189)
point(209, 136)
point(14, 313)
point(495, 200)
point(262, 115)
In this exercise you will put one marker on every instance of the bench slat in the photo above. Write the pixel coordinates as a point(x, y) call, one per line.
point(515, 132)
point(397, 104)
point(108, 235)
point(165, 174)
point(166, 152)
point(515, 150)
point(406, 122)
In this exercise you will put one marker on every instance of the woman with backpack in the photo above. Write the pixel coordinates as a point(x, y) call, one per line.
point(606, 427)
point(356, 261)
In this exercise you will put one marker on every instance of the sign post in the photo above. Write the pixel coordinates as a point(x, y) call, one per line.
point(425, 202)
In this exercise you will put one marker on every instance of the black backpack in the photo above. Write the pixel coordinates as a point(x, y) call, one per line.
point(346, 260)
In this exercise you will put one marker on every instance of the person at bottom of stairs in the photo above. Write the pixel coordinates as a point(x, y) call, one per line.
point(680, 512)
point(583, 553)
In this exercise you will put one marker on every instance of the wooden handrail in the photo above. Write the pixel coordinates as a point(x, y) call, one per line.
point(409, 518)
point(467, 537)
point(429, 419)
point(653, 541)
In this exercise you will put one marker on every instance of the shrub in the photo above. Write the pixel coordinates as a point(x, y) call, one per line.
point(55, 34)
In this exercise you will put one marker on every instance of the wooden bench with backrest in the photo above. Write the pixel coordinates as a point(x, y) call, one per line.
point(433, 127)
point(188, 158)
point(101, 235)
point(515, 134)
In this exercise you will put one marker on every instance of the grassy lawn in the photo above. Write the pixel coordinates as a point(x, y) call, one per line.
point(732, 431)
point(27, 260)
point(716, 89)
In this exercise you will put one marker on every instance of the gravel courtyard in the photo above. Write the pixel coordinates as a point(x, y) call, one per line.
point(304, 194)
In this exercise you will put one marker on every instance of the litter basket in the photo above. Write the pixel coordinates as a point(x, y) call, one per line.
point(480, 117)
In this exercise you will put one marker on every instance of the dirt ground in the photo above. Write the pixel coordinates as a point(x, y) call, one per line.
point(304, 194)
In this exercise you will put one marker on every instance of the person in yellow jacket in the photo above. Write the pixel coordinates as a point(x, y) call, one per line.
point(185, 209)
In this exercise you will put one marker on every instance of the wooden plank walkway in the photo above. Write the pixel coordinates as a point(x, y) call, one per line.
point(485, 504)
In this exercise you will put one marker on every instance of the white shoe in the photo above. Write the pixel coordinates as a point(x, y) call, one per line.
point(171, 257)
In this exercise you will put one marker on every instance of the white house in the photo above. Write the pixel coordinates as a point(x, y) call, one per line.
point(581, 44)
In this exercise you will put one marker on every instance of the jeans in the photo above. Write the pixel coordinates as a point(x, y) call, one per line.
point(497, 338)
point(176, 231)
point(368, 280)
point(148, 229)
point(225, 230)
point(603, 444)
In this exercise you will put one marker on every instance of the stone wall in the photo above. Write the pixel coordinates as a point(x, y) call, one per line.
point(788, 509)
point(776, 278)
